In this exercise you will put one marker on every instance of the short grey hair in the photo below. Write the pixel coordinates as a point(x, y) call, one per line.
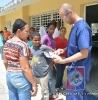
point(66, 7)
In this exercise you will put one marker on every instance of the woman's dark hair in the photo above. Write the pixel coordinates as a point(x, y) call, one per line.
point(18, 24)
point(49, 24)
point(32, 35)
point(62, 28)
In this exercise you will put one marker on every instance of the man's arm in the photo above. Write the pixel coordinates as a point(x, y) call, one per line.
point(78, 56)
point(84, 38)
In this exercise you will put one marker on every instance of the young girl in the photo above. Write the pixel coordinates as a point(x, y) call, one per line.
point(61, 43)
point(48, 40)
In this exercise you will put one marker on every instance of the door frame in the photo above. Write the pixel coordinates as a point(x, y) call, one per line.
point(90, 4)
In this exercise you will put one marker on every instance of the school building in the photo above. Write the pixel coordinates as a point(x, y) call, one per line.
point(40, 12)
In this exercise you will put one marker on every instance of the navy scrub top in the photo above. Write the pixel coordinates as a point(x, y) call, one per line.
point(80, 37)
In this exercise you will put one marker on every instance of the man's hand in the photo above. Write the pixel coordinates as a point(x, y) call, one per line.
point(58, 60)
point(34, 90)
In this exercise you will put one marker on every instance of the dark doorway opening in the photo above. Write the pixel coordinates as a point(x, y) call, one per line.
point(92, 20)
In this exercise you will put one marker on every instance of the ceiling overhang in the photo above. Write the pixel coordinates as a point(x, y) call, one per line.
point(17, 6)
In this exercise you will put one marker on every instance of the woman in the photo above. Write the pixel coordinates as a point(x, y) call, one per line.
point(61, 43)
point(19, 76)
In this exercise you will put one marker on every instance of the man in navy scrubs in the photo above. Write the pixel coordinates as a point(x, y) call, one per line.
point(78, 51)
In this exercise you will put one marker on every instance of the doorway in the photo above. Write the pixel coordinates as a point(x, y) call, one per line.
point(91, 17)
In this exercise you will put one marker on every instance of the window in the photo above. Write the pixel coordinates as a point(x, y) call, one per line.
point(45, 18)
point(36, 21)
point(56, 17)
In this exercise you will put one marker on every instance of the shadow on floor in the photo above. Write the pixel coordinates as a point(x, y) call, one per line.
point(91, 97)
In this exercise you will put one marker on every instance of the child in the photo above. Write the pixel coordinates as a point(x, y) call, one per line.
point(40, 63)
point(1, 44)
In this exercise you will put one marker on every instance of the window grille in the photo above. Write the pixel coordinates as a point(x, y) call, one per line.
point(36, 21)
point(45, 18)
